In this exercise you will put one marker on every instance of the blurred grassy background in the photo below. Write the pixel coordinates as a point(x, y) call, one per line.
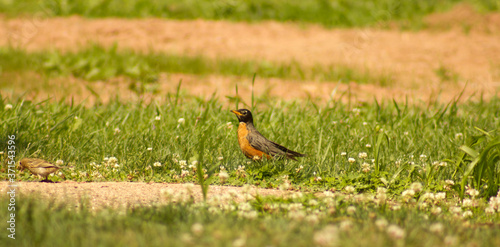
point(329, 13)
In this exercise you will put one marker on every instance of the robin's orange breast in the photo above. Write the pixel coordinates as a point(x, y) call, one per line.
point(245, 146)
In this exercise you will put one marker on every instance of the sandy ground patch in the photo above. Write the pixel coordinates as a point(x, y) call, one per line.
point(35, 87)
point(123, 194)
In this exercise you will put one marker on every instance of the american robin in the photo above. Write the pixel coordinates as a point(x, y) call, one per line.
point(38, 167)
point(254, 145)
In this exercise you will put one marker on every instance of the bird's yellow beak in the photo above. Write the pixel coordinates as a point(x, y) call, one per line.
point(236, 112)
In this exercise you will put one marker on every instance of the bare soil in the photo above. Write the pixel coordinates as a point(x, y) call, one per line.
point(461, 44)
point(124, 194)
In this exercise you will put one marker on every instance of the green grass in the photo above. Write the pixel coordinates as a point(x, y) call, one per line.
point(98, 63)
point(408, 145)
point(340, 220)
point(402, 142)
point(330, 13)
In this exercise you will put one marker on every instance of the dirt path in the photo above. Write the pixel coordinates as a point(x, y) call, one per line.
point(412, 56)
point(123, 194)
point(415, 60)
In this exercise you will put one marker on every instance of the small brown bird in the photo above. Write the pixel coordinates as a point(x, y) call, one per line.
point(254, 145)
point(39, 167)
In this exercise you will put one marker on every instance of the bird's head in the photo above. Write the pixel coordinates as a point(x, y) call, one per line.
point(23, 164)
point(243, 115)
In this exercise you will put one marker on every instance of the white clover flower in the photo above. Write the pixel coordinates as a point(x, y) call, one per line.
point(182, 163)
point(436, 210)
point(194, 162)
point(318, 178)
point(472, 192)
point(184, 173)
point(150, 148)
point(467, 214)
point(59, 162)
point(220, 158)
point(362, 155)
point(350, 189)
point(197, 229)
point(395, 232)
point(181, 121)
point(328, 236)
point(351, 160)
point(365, 167)
point(368, 145)
point(423, 205)
point(409, 193)
point(284, 186)
point(440, 196)
point(312, 219)
point(455, 210)
point(297, 170)
point(116, 166)
point(112, 160)
point(158, 118)
point(467, 203)
point(381, 190)
point(351, 210)
point(157, 164)
point(449, 182)
point(117, 130)
point(423, 157)
point(8, 107)
point(443, 164)
point(328, 194)
point(223, 176)
point(343, 153)
point(489, 210)
point(346, 225)
point(436, 228)
point(240, 242)
point(417, 187)
point(450, 241)
point(381, 223)
point(428, 195)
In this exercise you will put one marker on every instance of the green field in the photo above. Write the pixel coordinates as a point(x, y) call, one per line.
point(377, 173)
point(330, 13)
point(406, 146)
point(97, 63)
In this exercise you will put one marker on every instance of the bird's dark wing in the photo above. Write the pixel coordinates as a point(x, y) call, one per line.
point(259, 142)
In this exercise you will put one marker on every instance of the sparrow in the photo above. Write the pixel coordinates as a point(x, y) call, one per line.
point(39, 167)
